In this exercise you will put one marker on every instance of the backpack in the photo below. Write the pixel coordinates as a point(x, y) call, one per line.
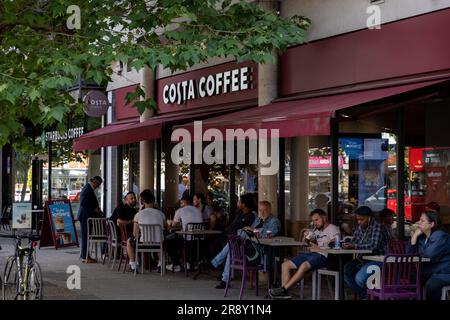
point(253, 250)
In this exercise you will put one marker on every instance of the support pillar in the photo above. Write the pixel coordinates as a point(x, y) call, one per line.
point(147, 148)
point(268, 91)
point(299, 215)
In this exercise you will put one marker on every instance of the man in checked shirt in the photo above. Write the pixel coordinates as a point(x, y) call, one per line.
point(369, 235)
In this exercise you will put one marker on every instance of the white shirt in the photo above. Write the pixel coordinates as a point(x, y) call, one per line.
point(188, 214)
point(327, 235)
point(150, 216)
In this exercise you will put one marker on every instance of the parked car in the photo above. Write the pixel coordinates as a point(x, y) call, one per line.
point(378, 201)
point(74, 195)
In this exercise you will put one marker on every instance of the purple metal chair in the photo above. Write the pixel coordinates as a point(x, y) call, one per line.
point(238, 261)
point(400, 278)
point(397, 246)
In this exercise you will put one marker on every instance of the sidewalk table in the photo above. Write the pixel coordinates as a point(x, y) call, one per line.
point(390, 260)
point(196, 234)
point(277, 243)
point(340, 253)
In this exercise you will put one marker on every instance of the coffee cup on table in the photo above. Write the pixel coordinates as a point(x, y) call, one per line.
point(256, 232)
point(269, 234)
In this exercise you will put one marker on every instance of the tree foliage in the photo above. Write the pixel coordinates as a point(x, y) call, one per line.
point(41, 55)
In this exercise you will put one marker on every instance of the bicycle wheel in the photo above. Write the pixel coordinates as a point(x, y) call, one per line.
point(35, 283)
point(10, 285)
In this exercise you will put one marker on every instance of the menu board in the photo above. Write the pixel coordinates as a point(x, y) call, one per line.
point(59, 223)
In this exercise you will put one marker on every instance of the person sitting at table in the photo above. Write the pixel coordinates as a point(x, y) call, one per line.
point(431, 242)
point(386, 218)
point(185, 215)
point(324, 233)
point(200, 203)
point(369, 235)
point(125, 212)
point(148, 215)
point(265, 223)
point(245, 216)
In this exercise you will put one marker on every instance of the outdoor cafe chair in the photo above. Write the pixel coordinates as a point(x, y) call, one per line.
point(445, 293)
point(397, 246)
point(96, 234)
point(189, 239)
point(113, 243)
point(238, 261)
point(404, 280)
point(123, 246)
point(149, 234)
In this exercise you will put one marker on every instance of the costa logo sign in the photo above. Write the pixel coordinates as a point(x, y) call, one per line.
point(96, 103)
point(230, 81)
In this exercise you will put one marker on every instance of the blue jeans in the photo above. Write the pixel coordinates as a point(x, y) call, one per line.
point(222, 256)
point(356, 275)
point(434, 284)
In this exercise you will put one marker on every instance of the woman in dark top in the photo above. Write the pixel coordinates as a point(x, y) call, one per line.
point(431, 242)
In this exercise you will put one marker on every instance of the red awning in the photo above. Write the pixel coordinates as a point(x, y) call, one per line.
point(126, 132)
point(305, 117)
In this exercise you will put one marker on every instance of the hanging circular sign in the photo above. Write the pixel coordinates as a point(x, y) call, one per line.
point(96, 103)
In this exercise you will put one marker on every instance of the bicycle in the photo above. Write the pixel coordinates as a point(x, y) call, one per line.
point(23, 280)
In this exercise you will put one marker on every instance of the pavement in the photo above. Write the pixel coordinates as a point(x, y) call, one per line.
point(100, 282)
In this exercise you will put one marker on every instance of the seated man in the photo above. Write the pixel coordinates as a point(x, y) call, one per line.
point(148, 215)
point(265, 223)
point(322, 235)
point(185, 215)
point(124, 213)
point(369, 235)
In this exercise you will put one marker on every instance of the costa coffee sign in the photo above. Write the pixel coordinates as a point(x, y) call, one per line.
point(96, 103)
point(227, 83)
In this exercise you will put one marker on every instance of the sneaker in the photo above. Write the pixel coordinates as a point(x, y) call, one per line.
point(279, 293)
point(170, 267)
point(221, 285)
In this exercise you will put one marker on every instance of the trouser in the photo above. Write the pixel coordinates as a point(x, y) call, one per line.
point(356, 275)
point(173, 244)
point(83, 250)
point(434, 285)
point(223, 256)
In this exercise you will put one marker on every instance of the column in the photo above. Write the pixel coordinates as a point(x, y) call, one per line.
point(268, 91)
point(299, 186)
point(147, 148)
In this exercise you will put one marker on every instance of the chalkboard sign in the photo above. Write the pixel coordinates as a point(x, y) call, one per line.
point(58, 226)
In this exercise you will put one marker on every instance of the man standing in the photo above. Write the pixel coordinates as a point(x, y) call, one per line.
point(89, 208)
point(369, 235)
point(323, 234)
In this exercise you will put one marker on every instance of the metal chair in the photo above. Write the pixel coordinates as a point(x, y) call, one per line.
point(113, 242)
point(123, 246)
point(96, 234)
point(151, 240)
point(445, 293)
point(404, 280)
point(397, 246)
point(189, 239)
point(238, 261)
